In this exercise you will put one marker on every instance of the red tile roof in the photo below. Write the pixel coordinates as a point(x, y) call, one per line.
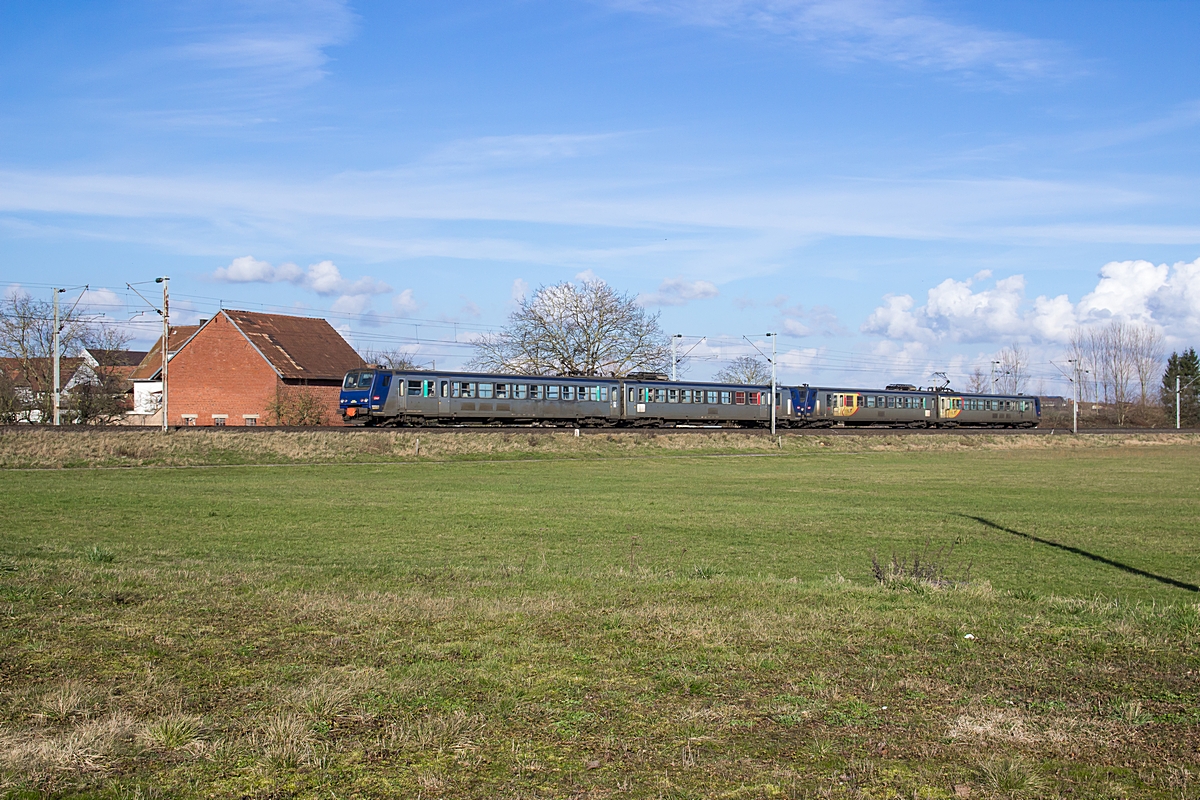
point(298, 348)
point(152, 363)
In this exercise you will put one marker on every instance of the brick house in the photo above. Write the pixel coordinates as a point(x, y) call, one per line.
point(248, 368)
point(147, 380)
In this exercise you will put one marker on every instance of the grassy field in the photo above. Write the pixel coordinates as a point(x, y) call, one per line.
point(607, 621)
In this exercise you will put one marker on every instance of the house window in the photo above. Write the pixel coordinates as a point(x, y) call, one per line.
point(189, 419)
point(251, 420)
point(219, 420)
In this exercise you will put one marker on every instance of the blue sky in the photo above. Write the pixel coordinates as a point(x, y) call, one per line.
point(895, 187)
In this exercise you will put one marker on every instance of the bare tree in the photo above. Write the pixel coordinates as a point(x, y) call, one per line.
point(747, 370)
point(977, 381)
point(1147, 345)
point(1112, 355)
point(395, 358)
point(101, 390)
point(1082, 352)
point(569, 329)
point(1014, 370)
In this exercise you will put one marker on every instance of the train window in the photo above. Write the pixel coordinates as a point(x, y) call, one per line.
point(712, 398)
point(726, 398)
point(468, 390)
point(739, 398)
point(602, 394)
point(456, 389)
point(537, 391)
point(660, 395)
point(672, 395)
point(444, 387)
point(754, 398)
point(870, 401)
point(387, 381)
point(485, 390)
point(551, 392)
point(685, 395)
point(414, 388)
point(520, 391)
point(351, 380)
point(568, 393)
point(501, 391)
point(364, 379)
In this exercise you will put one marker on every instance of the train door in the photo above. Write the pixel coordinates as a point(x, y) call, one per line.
point(421, 396)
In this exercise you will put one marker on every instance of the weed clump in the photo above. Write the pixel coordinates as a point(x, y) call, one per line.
point(923, 570)
point(100, 555)
point(1013, 778)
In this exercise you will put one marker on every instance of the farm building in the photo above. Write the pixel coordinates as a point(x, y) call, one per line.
point(245, 368)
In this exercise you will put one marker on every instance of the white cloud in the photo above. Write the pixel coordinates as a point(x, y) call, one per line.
point(798, 358)
point(324, 277)
point(519, 148)
point(678, 292)
point(520, 290)
point(1167, 297)
point(405, 304)
point(587, 276)
point(353, 304)
point(248, 269)
point(280, 43)
point(903, 33)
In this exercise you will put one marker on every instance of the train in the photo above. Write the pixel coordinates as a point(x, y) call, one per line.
point(374, 396)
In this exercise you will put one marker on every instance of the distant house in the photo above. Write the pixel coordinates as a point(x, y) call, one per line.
point(30, 382)
point(248, 368)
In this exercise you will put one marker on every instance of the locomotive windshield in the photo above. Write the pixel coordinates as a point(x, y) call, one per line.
point(358, 380)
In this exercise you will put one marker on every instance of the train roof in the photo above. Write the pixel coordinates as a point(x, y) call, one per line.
point(511, 377)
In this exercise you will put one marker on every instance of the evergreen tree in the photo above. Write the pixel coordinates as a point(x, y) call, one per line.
point(1186, 366)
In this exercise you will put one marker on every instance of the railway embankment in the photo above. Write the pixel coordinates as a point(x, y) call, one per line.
point(43, 448)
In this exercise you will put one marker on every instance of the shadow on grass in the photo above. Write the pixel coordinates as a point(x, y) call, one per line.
point(1191, 587)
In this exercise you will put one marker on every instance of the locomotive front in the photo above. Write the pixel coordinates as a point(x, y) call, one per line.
point(355, 400)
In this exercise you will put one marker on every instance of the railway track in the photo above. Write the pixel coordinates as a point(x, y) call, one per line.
point(532, 430)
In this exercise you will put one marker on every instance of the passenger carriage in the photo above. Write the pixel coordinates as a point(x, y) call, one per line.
point(376, 396)
point(902, 405)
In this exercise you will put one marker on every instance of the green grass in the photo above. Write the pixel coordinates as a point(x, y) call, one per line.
point(644, 626)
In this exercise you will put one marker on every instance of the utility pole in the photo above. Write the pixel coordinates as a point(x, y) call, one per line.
point(1178, 389)
point(166, 345)
point(674, 360)
point(994, 365)
point(772, 382)
point(57, 365)
point(1074, 395)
